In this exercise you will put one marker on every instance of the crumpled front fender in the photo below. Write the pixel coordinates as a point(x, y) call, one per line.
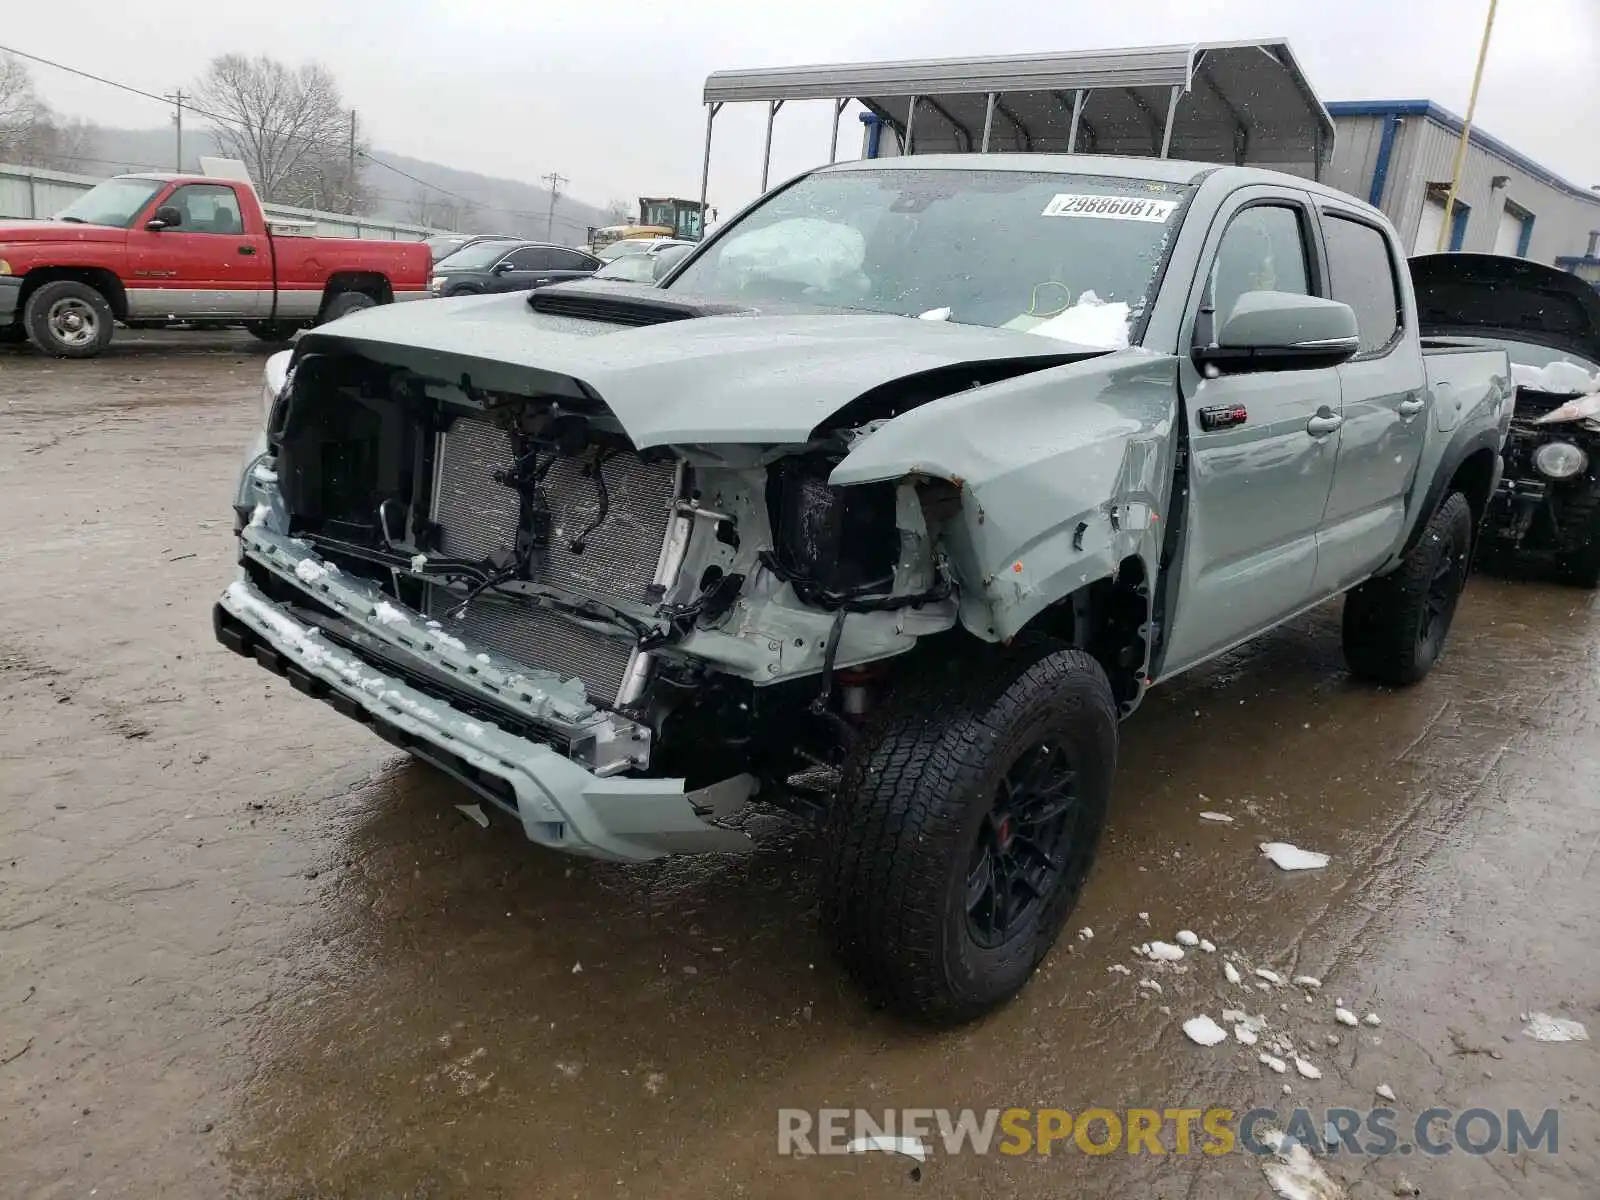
point(1064, 474)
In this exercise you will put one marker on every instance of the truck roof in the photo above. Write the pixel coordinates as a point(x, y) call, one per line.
point(1160, 170)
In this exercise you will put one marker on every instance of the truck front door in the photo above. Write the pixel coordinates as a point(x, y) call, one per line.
point(205, 266)
point(1261, 444)
point(1385, 392)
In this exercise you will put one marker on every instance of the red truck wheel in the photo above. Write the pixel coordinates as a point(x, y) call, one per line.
point(345, 303)
point(68, 319)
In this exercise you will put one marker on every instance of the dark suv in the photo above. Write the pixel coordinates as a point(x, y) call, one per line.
point(508, 267)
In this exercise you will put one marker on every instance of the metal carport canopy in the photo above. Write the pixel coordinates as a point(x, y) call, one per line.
point(1229, 102)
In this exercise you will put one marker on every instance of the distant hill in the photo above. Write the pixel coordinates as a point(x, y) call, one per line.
point(492, 205)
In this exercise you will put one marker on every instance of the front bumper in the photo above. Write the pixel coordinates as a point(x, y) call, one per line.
point(560, 803)
point(10, 294)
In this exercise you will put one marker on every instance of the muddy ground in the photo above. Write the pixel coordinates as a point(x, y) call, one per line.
point(246, 949)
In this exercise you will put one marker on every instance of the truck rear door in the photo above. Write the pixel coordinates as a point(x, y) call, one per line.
point(204, 266)
point(1386, 397)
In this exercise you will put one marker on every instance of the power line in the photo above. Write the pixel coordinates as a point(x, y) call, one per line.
point(233, 121)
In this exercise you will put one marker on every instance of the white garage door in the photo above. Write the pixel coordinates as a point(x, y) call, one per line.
point(1508, 234)
point(1428, 231)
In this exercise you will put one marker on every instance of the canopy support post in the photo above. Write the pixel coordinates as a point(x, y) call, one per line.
point(1172, 113)
point(705, 166)
point(1077, 116)
point(911, 120)
point(988, 119)
point(766, 154)
point(833, 146)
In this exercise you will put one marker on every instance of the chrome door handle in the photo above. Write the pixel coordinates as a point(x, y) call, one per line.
point(1410, 408)
point(1324, 423)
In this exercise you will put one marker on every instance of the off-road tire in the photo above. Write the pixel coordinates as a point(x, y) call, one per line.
point(1395, 626)
point(345, 303)
point(271, 331)
point(68, 319)
point(916, 802)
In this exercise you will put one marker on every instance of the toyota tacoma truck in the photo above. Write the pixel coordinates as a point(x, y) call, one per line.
point(151, 250)
point(1546, 512)
point(885, 506)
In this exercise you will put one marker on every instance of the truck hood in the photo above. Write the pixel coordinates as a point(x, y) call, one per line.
point(1496, 296)
point(13, 232)
point(743, 376)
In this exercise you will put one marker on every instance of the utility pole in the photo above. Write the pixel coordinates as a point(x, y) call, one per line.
point(1466, 132)
point(350, 183)
point(555, 179)
point(177, 99)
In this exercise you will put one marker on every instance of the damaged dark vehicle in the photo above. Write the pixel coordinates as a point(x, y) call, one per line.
point(884, 507)
point(1546, 512)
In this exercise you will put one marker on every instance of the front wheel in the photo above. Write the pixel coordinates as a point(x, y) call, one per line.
point(965, 827)
point(68, 319)
point(1395, 626)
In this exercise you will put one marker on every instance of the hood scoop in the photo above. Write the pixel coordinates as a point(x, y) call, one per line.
point(626, 304)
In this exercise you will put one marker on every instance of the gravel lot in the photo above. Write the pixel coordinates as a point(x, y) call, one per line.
point(246, 949)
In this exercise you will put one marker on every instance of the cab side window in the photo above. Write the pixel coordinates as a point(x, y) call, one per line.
point(207, 208)
point(1264, 249)
point(529, 258)
point(1361, 273)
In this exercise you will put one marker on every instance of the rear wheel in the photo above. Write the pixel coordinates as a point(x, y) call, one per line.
point(965, 827)
point(68, 319)
point(1579, 562)
point(345, 303)
point(1395, 626)
point(271, 331)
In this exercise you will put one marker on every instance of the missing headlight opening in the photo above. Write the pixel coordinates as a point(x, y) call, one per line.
point(532, 526)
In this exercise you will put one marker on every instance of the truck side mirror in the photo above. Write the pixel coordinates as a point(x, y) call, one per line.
point(1283, 331)
point(168, 216)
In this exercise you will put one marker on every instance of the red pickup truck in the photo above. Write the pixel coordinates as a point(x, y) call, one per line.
point(148, 250)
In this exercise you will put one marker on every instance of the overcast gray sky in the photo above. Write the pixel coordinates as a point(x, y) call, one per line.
point(609, 93)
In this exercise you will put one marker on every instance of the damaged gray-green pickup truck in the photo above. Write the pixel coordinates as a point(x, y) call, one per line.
point(885, 507)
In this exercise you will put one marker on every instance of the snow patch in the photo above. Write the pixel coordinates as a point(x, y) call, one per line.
point(307, 571)
point(1385, 1091)
point(1085, 934)
point(1220, 818)
point(472, 729)
point(910, 1147)
point(1269, 976)
point(1209, 947)
point(1232, 972)
point(1291, 858)
point(935, 314)
point(1165, 952)
point(1244, 1035)
point(1306, 1068)
point(1118, 969)
point(1272, 1062)
point(1371, 1019)
point(1298, 1176)
point(1542, 1027)
point(419, 561)
point(1563, 378)
point(1090, 322)
point(1204, 1031)
point(1188, 937)
point(1345, 1017)
point(388, 614)
point(1308, 981)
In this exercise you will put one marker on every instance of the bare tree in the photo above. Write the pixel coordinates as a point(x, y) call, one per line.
point(31, 135)
point(620, 212)
point(289, 127)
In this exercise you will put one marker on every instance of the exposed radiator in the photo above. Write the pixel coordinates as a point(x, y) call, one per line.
point(477, 516)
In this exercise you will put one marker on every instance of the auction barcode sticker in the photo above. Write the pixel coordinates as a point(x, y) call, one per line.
point(1110, 208)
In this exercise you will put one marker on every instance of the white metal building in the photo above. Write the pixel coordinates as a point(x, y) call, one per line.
point(1399, 155)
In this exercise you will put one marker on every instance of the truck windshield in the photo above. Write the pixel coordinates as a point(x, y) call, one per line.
point(1068, 256)
point(115, 202)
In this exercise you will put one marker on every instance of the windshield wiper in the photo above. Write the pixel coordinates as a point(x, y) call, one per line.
point(73, 220)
